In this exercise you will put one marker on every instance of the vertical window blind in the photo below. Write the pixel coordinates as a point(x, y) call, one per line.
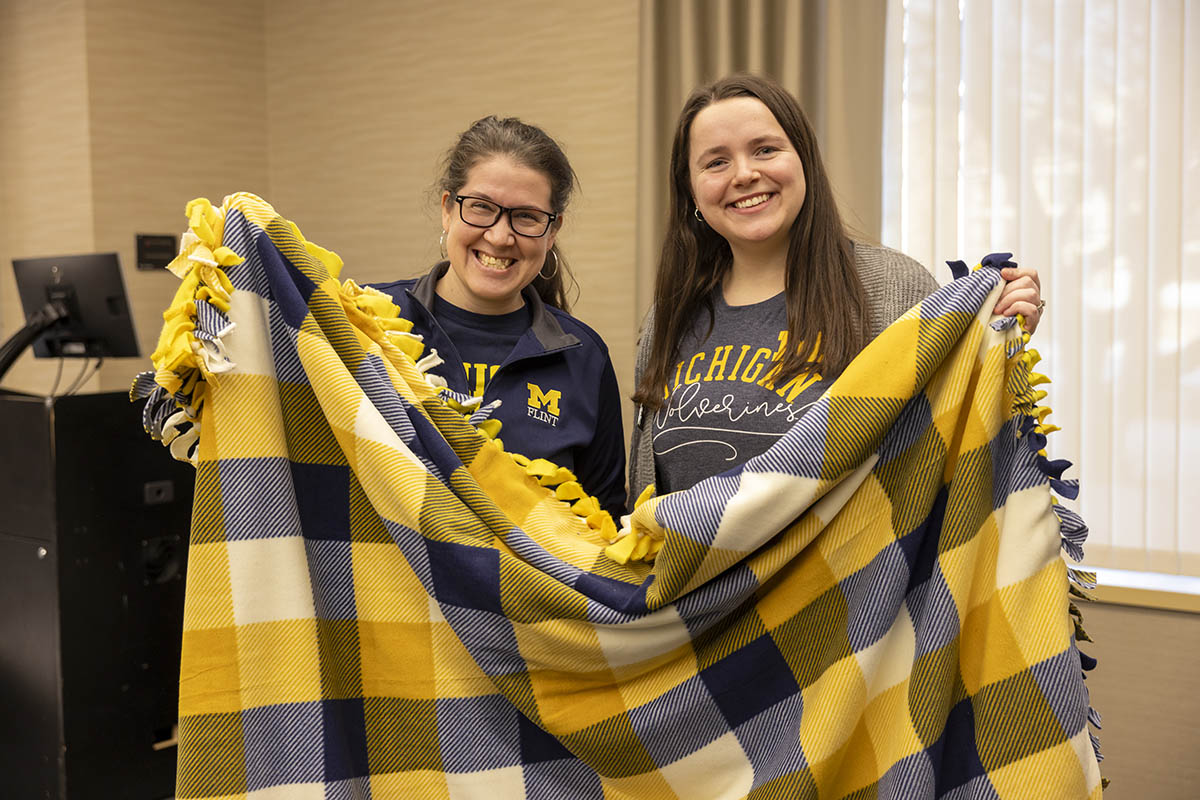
point(1068, 133)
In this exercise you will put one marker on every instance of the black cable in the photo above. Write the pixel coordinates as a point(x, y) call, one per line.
point(57, 376)
point(88, 377)
point(78, 378)
point(12, 349)
point(39, 321)
point(96, 368)
point(85, 375)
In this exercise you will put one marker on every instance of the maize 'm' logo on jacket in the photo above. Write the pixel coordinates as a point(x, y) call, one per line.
point(543, 406)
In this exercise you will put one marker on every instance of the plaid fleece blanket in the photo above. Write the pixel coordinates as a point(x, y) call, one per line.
point(382, 602)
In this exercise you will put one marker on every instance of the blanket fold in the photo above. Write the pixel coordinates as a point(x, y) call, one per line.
point(383, 602)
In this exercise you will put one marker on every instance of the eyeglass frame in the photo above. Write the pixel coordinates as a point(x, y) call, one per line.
point(458, 198)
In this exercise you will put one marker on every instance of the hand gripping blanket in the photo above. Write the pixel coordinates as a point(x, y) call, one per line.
point(384, 603)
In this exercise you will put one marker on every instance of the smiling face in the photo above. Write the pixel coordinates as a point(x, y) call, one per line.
point(490, 266)
point(746, 177)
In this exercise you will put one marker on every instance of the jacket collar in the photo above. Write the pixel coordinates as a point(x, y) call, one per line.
point(542, 323)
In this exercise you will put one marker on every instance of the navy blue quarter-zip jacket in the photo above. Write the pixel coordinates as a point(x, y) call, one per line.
point(558, 392)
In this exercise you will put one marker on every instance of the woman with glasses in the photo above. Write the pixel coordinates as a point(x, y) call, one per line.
point(496, 309)
point(761, 298)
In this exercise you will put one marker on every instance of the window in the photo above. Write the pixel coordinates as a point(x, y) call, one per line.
point(1068, 133)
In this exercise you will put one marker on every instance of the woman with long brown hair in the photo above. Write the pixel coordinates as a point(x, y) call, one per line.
point(762, 297)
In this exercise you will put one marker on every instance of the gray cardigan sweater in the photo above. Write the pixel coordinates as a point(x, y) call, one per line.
point(893, 284)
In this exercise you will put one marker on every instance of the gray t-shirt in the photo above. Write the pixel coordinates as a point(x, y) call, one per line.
point(723, 406)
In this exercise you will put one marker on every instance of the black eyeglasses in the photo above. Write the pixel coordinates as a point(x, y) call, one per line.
point(480, 213)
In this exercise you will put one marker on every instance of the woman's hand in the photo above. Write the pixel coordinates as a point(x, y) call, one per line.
point(1021, 295)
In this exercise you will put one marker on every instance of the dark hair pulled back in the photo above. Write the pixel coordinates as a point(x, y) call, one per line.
point(532, 147)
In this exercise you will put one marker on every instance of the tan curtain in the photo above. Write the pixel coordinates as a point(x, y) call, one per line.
point(829, 53)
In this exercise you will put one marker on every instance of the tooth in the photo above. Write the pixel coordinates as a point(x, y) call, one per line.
point(494, 262)
point(751, 201)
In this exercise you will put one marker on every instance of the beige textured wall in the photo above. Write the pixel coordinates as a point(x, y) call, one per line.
point(1147, 688)
point(45, 152)
point(177, 110)
point(119, 111)
point(115, 114)
point(362, 105)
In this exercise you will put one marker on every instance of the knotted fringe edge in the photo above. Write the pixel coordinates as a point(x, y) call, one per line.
point(191, 349)
point(1034, 430)
point(191, 353)
point(563, 481)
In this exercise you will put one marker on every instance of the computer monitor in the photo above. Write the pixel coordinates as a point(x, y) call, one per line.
point(92, 292)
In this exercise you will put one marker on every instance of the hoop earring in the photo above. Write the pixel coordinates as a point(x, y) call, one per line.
point(696, 214)
point(442, 244)
point(554, 271)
